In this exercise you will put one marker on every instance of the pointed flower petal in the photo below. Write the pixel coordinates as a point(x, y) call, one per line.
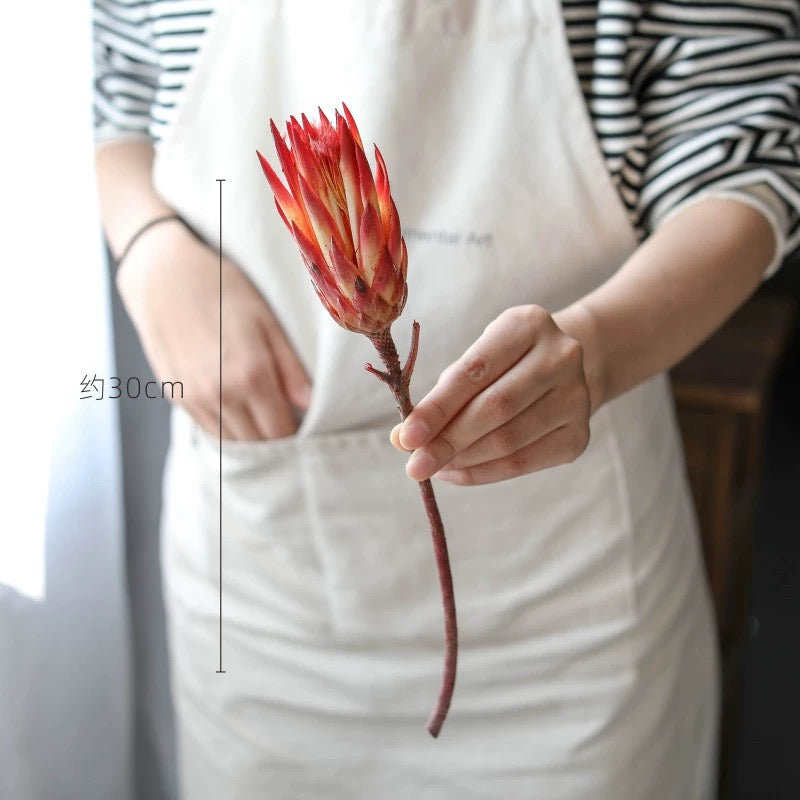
point(348, 167)
point(371, 244)
point(309, 127)
point(287, 163)
point(393, 237)
point(304, 158)
point(322, 222)
point(351, 124)
point(385, 277)
point(310, 250)
point(368, 193)
point(286, 222)
point(344, 271)
point(383, 190)
point(289, 208)
point(325, 127)
point(403, 260)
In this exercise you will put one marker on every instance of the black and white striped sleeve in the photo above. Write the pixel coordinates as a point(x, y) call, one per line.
point(717, 86)
point(126, 69)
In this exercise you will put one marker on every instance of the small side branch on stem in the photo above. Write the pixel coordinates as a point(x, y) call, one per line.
point(408, 369)
point(381, 376)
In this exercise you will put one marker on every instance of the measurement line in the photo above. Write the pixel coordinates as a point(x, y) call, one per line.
point(220, 181)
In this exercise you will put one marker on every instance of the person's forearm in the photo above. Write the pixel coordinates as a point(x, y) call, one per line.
point(125, 191)
point(678, 287)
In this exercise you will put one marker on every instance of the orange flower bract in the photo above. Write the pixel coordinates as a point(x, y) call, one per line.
point(343, 219)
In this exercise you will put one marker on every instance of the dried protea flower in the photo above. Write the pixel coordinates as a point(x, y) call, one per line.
point(347, 228)
point(343, 220)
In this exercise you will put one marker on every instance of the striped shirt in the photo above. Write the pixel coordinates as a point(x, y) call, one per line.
point(688, 99)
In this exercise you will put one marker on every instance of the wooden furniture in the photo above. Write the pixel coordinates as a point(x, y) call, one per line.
point(721, 393)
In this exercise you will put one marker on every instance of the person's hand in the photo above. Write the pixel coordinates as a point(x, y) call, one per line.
point(516, 402)
point(169, 283)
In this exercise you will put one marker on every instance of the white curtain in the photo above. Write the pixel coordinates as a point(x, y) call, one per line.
point(64, 663)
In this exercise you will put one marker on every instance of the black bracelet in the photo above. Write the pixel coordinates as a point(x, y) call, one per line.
point(142, 230)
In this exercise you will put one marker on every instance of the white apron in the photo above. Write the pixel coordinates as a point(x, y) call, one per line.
point(587, 664)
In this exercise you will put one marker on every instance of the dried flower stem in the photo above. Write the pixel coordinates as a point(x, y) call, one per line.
point(398, 380)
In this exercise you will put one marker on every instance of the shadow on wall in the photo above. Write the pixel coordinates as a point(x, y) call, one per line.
point(145, 433)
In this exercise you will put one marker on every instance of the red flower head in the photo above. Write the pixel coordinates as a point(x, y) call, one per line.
point(343, 220)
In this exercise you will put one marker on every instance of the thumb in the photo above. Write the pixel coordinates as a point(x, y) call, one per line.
point(394, 438)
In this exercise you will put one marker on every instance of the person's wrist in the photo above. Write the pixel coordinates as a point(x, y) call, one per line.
point(143, 230)
point(148, 262)
point(580, 322)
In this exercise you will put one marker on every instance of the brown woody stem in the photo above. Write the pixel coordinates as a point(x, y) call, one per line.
point(398, 380)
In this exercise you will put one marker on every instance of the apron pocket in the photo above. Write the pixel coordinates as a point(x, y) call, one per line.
point(372, 537)
point(270, 566)
point(530, 558)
